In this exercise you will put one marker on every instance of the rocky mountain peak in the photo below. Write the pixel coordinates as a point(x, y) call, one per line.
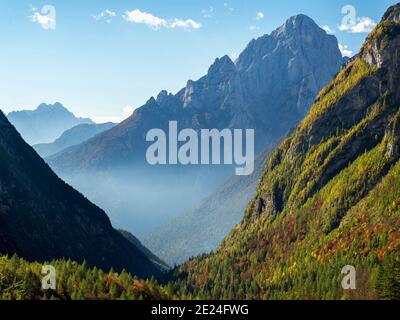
point(299, 24)
point(299, 21)
point(162, 95)
point(152, 102)
point(44, 124)
point(44, 107)
point(393, 13)
point(168, 100)
point(297, 32)
point(222, 65)
point(382, 43)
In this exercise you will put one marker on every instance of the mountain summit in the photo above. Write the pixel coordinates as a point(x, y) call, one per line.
point(46, 123)
point(270, 88)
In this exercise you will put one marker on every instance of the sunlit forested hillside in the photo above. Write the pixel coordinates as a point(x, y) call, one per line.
point(329, 196)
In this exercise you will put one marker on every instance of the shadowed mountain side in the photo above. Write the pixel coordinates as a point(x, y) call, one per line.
point(42, 218)
point(153, 258)
point(72, 137)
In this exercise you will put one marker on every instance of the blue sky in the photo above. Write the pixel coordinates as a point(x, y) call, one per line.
point(106, 57)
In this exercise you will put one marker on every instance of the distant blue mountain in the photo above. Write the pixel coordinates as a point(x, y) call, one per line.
point(72, 137)
point(45, 124)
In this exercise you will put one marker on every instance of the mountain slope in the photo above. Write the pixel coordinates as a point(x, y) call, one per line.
point(269, 88)
point(329, 195)
point(42, 218)
point(201, 229)
point(153, 258)
point(45, 124)
point(72, 137)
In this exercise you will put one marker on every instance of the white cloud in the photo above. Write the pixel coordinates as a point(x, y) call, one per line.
point(185, 24)
point(126, 112)
point(107, 15)
point(253, 27)
point(154, 22)
point(137, 16)
point(41, 19)
point(344, 49)
point(259, 16)
point(328, 29)
point(46, 18)
point(363, 25)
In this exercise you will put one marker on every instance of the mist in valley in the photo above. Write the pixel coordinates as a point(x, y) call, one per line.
point(140, 200)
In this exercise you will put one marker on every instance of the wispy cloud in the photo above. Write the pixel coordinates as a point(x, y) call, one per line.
point(253, 28)
point(156, 23)
point(344, 49)
point(207, 13)
point(106, 15)
point(259, 16)
point(362, 25)
point(228, 7)
point(328, 29)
